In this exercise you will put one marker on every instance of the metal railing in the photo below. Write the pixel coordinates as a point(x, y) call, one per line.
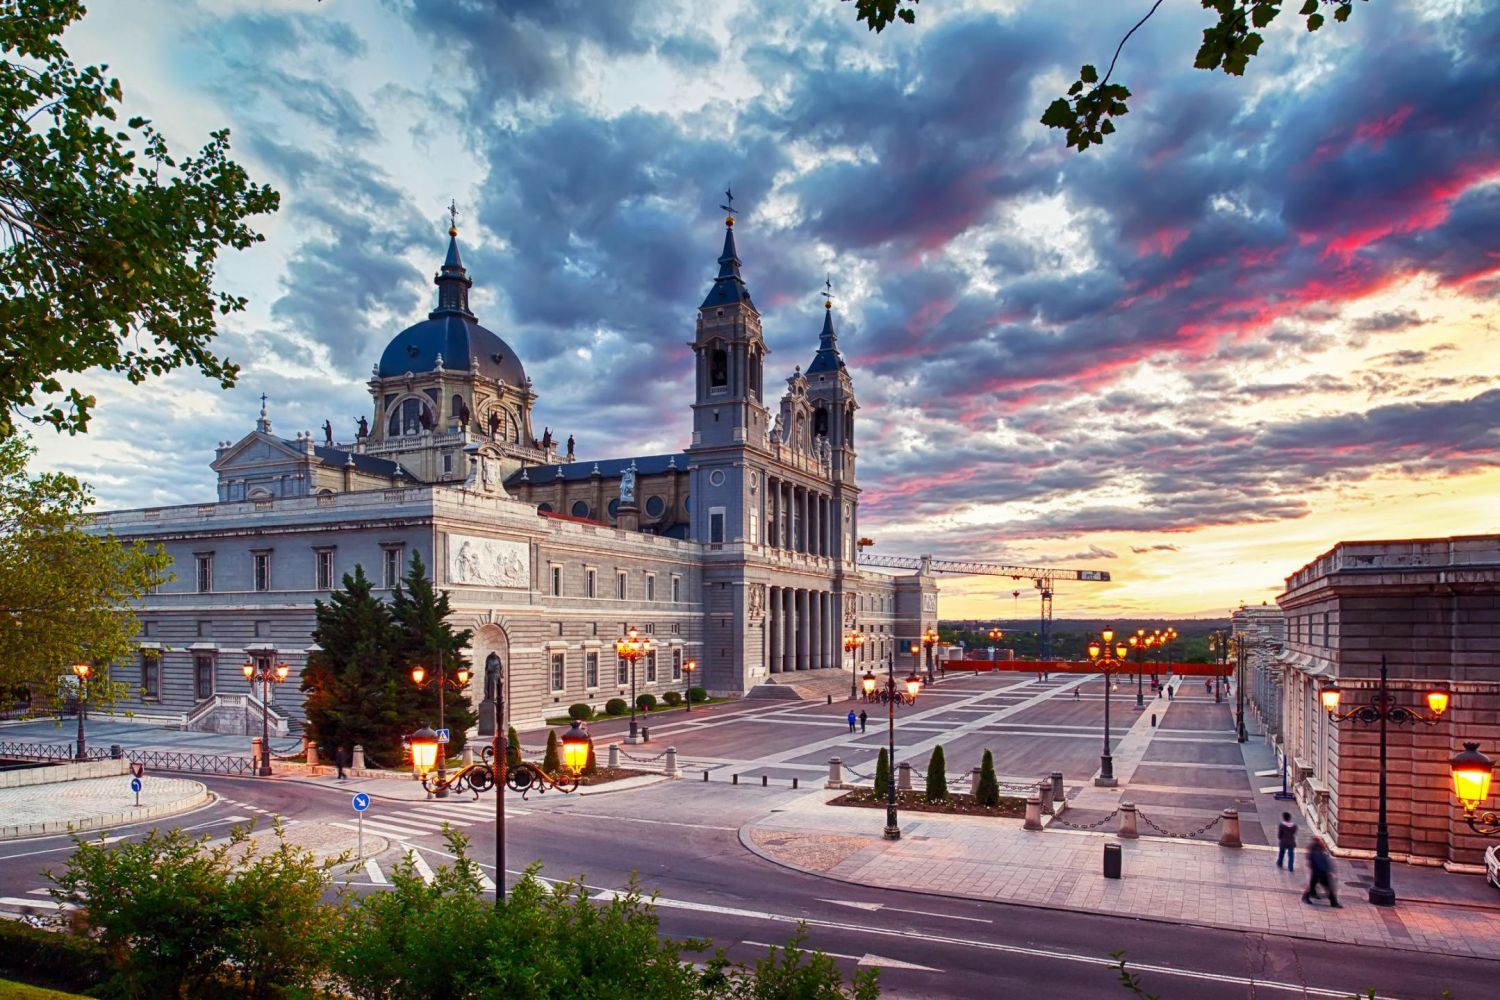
point(159, 760)
point(48, 751)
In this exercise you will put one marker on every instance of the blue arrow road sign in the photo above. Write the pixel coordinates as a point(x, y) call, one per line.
point(135, 784)
point(361, 802)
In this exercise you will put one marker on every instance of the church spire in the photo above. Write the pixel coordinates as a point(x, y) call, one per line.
point(828, 358)
point(729, 286)
point(453, 280)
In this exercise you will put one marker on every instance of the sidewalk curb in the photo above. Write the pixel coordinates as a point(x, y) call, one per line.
point(32, 831)
point(746, 842)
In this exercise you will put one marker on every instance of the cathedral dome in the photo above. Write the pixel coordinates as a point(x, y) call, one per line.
point(451, 332)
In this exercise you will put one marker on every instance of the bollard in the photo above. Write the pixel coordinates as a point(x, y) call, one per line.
point(254, 754)
point(830, 699)
point(1231, 835)
point(672, 769)
point(1033, 814)
point(312, 753)
point(765, 779)
point(794, 782)
point(835, 773)
point(734, 779)
point(645, 734)
point(357, 761)
point(974, 782)
point(1153, 720)
point(1128, 828)
point(705, 775)
point(1112, 856)
point(116, 752)
point(614, 756)
point(1044, 792)
point(467, 757)
point(904, 782)
point(1057, 791)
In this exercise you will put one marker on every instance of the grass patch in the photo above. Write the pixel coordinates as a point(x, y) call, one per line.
point(10, 990)
point(915, 801)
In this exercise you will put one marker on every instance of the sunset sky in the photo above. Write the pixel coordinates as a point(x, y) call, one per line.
point(1260, 320)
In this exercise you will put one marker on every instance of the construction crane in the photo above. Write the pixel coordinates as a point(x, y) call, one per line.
point(1042, 578)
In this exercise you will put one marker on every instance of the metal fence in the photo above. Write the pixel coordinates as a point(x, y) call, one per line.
point(48, 752)
point(157, 760)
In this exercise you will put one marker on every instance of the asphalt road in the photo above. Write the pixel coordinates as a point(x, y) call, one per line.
point(680, 839)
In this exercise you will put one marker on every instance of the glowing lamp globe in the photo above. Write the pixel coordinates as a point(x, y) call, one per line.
point(418, 674)
point(575, 748)
point(868, 682)
point(248, 670)
point(1437, 702)
point(1328, 697)
point(281, 671)
point(424, 749)
point(913, 686)
point(82, 670)
point(1472, 772)
point(1094, 650)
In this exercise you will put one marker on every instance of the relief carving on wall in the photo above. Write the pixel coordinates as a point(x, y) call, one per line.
point(929, 602)
point(850, 602)
point(757, 601)
point(488, 562)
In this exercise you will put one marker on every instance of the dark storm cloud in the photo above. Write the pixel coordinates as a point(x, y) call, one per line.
point(1162, 547)
point(1390, 321)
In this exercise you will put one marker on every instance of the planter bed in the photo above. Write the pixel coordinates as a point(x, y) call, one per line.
point(915, 801)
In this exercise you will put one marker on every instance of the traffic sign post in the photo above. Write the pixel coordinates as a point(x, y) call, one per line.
point(135, 786)
point(361, 803)
point(442, 736)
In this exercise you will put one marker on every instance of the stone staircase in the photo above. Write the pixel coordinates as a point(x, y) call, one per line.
point(804, 685)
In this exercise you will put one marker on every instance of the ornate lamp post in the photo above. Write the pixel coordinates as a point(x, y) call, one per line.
point(266, 675)
point(890, 695)
point(424, 749)
point(82, 671)
point(996, 635)
point(459, 682)
point(929, 639)
point(853, 642)
point(1099, 653)
point(1472, 772)
point(1383, 710)
point(1138, 645)
point(1240, 655)
point(1218, 645)
point(687, 681)
point(631, 647)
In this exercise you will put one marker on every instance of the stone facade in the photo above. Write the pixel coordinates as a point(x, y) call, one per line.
point(1432, 608)
point(737, 553)
point(1259, 640)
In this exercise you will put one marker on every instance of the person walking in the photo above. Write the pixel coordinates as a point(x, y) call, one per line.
point(1286, 839)
point(1321, 864)
point(852, 719)
point(1170, 694)
point(340, 760)
point(1075, 692)
point(863, 718)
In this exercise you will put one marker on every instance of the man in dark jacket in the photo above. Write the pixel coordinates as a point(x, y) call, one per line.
point(1286, 838)
point(341, 761)
point(1321, 863)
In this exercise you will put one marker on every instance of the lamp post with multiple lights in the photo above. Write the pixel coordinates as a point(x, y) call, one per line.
point(929, 639)
point(267, 675)
point(995, 635)
point(1218, 645)
point(854, 641)
point(1383, 710)
point(459, 681)
point(1139, 643)
point(687, 681)
point(82, 671)
point(890, 695)
point(1099, 653)
point(630, 647)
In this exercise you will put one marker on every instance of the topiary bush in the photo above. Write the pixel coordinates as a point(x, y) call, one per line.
point(882, 773)
point(937, 776)
point(698, 694)
point(580, 712)
point(988, 792)
point(615, 706)
point(645, 702)
point(552, 762)
point(673, 698)
point(512, 748)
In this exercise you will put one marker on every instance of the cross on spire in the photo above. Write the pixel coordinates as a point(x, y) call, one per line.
point(452, 217)
point(828, 291)
point(263, 398)
point(729, 206)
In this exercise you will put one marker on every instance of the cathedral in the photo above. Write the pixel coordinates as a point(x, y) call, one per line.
point(738, 556)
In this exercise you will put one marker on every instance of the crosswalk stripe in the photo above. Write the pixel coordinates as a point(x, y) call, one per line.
point(486, 883)
point(372, 868)
point(395, 829)
point(45, 904)
point(423, 869)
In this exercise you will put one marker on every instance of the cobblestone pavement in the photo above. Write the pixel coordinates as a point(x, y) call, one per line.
point(93, 803)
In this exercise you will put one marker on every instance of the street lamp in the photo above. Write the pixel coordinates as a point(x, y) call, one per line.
point(267, 675)
point(1218, 645)
point(853, 642)
point(424, 749)
point(82, 671)
point(929, 639)
point(1138, 644)
point(1382, 710)
point(891, 695)
point(1240, 655)
point(687, 681)
point(995, 635)
point(1472, 773)
point(631, 647)
point(1099, 650)
point(459, 682)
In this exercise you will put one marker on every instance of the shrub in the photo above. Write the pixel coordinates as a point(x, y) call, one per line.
point(645, 702)
point(698, 694)
point(673, 698)
point(580, 712)
point(988, 792)
point(591, 766)
point(45, 958)
point(552, 763)
point(937, 776)
point(882, 773)
point(512, 748)
point(615, 706)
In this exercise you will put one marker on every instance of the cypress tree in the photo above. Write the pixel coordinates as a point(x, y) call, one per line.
point(988, 792)
point(882, 774)
point(425, 639)
point(552, 763)
point(512, 749)
point(937, 776)
point(352, 679)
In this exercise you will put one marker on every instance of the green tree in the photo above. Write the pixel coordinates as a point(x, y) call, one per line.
point(937, 776)
point(512, 748)
point(65, 592)
point(551, 762)
point(354, 681)
point(1086, 112)
point(107, 241)
point(882, 773)
point(988, 792)
point(424, 638)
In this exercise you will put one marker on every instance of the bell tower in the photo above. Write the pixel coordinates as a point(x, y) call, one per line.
point(729, 406)
point(830, 390)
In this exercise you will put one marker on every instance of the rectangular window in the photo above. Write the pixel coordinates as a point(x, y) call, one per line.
point(650, 587)
point(591, 582)
point(676, 590)
point(620, 586)
point(677, 664)
point(754, 528)
point(392, 566)
point(651, 667)
point(323, 559)
point(203, 676)
point(591, 669)
point(262, 563)
point(623, 673)
point(559, 670)
point(716, 526)
point(556, 581)
point(205, 574)
point(150, 675)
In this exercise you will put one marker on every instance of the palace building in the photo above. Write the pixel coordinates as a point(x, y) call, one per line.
point(738, 553)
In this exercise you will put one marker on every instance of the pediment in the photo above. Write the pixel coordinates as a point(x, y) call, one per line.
point(256, 450)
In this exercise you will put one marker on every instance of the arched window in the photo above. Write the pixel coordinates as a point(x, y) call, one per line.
point(544, 508)
point(718, 367)
point(820, 422)
point(456, 406)
point(407, 418)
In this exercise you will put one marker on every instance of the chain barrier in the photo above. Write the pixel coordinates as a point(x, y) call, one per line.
point(1013, 787)
point(1180, 836)
point(642, 760)
point(1059, 821)
point(862, 777)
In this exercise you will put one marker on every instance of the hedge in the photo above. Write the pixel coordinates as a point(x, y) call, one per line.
point(60, 961)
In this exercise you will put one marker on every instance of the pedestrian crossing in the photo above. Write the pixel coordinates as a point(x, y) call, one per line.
point(419, 819)
point(378, 879)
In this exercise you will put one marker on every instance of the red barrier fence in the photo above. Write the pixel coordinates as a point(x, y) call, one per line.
point(1084, 667)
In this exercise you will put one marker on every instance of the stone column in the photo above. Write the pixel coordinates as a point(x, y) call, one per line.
point(770, 512)
point(814, 630)
point(773, 626)
point(801, 629)
point(788, 624)
point(788, 512)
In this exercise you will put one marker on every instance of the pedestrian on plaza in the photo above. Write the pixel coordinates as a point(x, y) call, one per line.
point(863, 718)
point(1208, 687)
point(852, 719)
point(340, 760)
point(1286, 838)
point(1169, 693)
point(1321, 863)
point(1075, 692)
